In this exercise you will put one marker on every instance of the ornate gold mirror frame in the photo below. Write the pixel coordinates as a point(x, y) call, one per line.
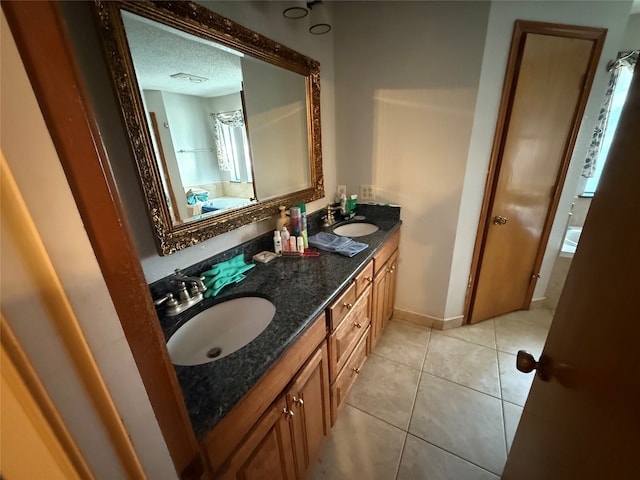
point(199, 21)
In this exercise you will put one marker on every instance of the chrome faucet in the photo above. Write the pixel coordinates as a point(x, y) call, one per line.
point(329, 219)
point(198, 282)
point(186, 298)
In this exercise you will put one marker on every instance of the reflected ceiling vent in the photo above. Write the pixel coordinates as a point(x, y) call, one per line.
point(190, 77)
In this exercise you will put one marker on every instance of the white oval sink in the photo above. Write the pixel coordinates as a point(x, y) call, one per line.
point(220, 330)
point(355, 229)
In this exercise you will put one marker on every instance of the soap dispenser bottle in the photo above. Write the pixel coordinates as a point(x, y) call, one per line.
point(283, 220)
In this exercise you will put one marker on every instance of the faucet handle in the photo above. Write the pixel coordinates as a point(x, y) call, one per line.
point(183, 293)
point(171, 302)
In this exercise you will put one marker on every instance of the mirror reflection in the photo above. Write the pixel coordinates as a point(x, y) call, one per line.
point(194, 96)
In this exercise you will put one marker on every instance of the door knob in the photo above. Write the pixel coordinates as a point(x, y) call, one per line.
point(499, 220)
point(526, 363)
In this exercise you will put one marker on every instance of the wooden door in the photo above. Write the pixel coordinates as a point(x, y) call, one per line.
point(541, 118)
point(267, 452)
point(308, 398)
point(583, 421)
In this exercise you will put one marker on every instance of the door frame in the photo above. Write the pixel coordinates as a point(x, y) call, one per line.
point(521, 29)
point(40, 35)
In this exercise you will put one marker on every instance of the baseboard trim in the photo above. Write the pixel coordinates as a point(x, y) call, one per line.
point(538, 303)
point(427, 320)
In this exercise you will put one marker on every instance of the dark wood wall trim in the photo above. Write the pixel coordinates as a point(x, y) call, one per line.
point(43, 44)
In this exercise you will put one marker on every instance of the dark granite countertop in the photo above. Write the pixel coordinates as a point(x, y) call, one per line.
point(300, 288)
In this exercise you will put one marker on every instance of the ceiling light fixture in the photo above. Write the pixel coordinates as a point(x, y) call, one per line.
point(190, 77)
point(315, 10)
point(296, 10)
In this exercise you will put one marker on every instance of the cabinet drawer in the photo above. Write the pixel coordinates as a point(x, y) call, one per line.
point(342, 306)
point(340, 389)
point(382, 255)
point(364, 279)
point(344, 339)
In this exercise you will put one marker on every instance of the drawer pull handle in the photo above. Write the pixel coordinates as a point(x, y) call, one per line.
point(288, 413)
point(357, 325)
point(348, 306)
point(297, 401)
point(356, 369)
point(369, 279)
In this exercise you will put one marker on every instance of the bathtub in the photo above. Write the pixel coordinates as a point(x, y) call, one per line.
point(571, 239)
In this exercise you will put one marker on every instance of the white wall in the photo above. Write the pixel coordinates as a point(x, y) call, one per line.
point(31, 156)
point(631, 40)
point(406, 84)
point(610, 15)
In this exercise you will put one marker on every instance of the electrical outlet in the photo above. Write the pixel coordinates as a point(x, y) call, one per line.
point(342, 189)
point(367, 193)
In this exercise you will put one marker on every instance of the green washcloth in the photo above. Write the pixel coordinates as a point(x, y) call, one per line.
point(225, 273)
point(218, 285)
point(222, 267)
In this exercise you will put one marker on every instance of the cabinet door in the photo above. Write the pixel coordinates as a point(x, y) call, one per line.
point(267, 452)
point(378, 297)
point(390, 289)
point(308, 398)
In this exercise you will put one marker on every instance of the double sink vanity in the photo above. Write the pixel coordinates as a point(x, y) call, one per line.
point(271, 403)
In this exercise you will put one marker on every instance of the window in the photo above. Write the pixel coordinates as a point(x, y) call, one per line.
point(608, 121)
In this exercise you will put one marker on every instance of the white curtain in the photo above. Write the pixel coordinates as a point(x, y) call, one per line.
point(625, 60)
point(225, 141)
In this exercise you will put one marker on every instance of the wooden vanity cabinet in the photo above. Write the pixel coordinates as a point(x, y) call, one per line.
point(348, 333)
point(308, 400)
point(278, 429)
point(290, 434)
point(383, 295)
point(267, 452)
point(342, 385)
point(349, 325)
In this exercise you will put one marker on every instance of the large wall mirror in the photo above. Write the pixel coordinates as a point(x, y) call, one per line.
point(224, 123)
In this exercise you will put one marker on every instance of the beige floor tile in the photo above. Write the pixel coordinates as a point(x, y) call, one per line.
point(557, 280)
point(359, 446)
point(386, 390)
point(462, 362)
point(404, 343)
point(513, 334)
point(423, 461)
point(460, 420)
point(482, 333)
point(512, 414)
point(515, 385)
point(540, 317)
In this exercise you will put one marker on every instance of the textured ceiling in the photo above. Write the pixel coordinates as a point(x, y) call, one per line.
point(159, 51)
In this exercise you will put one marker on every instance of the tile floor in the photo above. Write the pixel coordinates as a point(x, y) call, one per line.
point(437, 405)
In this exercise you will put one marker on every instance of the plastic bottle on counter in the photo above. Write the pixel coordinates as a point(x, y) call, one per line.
point(303, 224)
point(283, 219)
point(300, 244)
point(277, 242)
point(295, 221)
point(293, 245)
point(284, 237)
